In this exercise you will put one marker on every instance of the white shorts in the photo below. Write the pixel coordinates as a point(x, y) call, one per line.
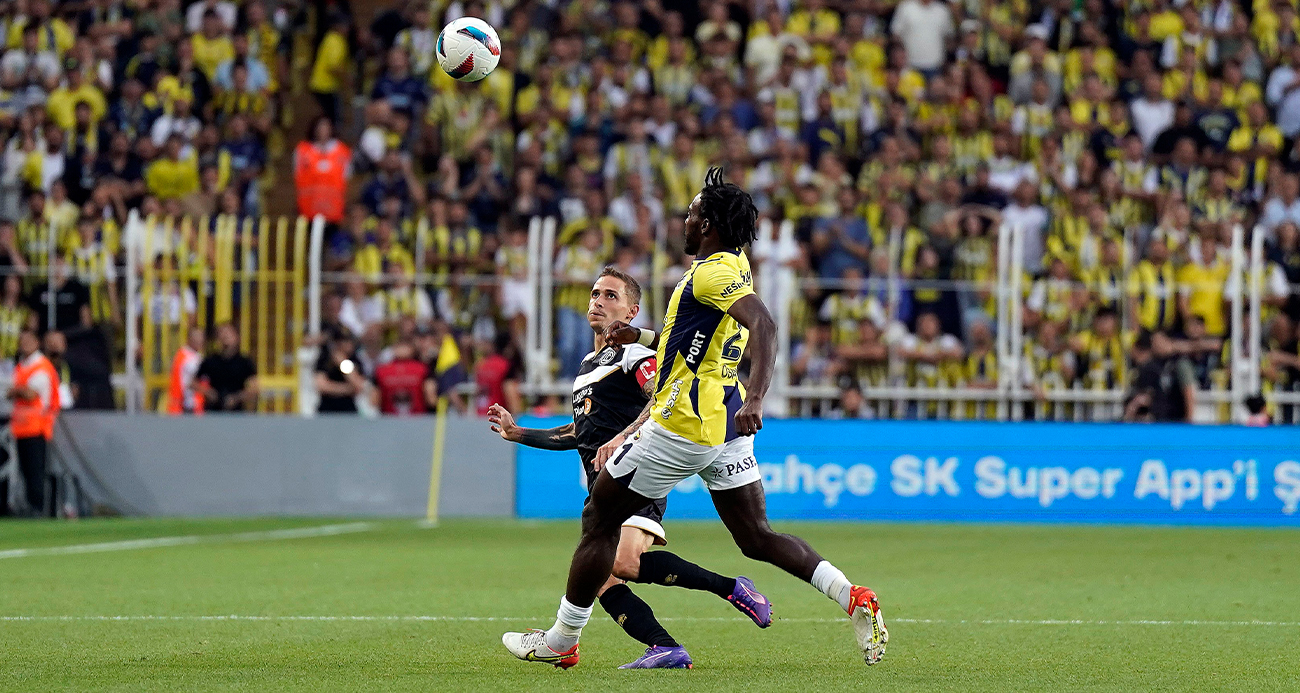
point(654, 461)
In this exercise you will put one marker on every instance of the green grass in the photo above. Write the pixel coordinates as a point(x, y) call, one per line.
point(950, 593)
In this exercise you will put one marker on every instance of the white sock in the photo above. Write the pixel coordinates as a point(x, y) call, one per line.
point(569, 621)
point(832, 583)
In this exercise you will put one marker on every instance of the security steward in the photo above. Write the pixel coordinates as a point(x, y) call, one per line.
point(35, 396)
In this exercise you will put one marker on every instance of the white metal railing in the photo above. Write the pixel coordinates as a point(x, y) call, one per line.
point(1012, 398)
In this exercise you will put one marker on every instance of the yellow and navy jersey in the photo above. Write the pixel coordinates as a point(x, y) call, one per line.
point(1107, 284)
point(1104, 359)
point(698, 394)
point(12, 322)
point(981, 367)
point(1155, 288)
point(93, 266)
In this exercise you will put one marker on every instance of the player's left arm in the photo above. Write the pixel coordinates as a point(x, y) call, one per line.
point(559, 438)
point(750, 312)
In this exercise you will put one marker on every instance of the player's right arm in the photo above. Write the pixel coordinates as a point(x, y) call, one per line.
point(728, 286)
point(559, 438)
point(750, 312)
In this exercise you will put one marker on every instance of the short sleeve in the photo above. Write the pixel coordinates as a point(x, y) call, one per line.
point(720, 282)
point(633, 355)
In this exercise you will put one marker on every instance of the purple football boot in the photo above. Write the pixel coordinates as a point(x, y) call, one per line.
point(750, 602)
point(657, 657)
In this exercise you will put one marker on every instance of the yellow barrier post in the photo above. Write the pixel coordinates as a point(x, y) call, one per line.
point(223, 270)
point(200, 274)
point(245, 249)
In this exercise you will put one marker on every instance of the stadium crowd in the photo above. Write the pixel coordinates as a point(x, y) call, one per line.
point(1126, 139)
point(108, 106)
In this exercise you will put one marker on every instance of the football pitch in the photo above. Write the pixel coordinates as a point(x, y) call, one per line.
point(335, 605)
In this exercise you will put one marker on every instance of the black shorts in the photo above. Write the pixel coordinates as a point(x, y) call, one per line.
point(649, 519)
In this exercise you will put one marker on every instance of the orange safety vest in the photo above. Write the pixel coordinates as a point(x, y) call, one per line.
point(321, 180)
point(29, 418)
point(176, 395)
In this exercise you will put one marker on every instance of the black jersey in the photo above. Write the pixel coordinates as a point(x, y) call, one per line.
point(608, 395)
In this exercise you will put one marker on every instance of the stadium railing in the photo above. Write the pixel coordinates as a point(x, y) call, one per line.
point(258, 274)
point(1014, 398)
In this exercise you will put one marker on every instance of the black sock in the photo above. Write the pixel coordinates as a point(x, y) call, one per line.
point(665, 568)
point(635, 616)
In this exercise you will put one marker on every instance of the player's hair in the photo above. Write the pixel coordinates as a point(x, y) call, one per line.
point(630, 285)
point(729, 210)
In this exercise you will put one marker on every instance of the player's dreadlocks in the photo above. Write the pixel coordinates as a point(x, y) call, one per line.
point(729, 210)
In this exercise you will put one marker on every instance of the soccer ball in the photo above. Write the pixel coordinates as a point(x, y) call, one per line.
point(468, 49)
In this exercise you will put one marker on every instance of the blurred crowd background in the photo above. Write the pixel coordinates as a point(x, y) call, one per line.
point(1125, 139)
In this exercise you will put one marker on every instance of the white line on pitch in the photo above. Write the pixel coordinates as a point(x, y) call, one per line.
point(188, 539)
point(467, 619)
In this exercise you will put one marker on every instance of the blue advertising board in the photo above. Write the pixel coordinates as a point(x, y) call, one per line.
point(954, 471)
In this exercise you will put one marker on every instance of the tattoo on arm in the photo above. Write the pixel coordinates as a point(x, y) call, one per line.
point(644, 416)
point(562, 438)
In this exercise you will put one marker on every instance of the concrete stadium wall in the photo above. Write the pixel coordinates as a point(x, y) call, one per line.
point(278, 465)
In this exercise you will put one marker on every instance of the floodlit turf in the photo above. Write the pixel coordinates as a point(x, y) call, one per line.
point(967, 605)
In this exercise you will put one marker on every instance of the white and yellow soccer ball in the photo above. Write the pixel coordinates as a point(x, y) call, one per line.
point(468, 49)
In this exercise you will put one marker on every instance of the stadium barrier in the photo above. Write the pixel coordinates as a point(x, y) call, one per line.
point(983, 472)
point(252, 273)
point(328, 466)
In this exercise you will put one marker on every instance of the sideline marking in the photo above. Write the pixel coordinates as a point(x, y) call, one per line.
point(468, 619)
point(190, 539)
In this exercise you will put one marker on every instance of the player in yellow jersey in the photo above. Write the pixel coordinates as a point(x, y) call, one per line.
point(701, 421)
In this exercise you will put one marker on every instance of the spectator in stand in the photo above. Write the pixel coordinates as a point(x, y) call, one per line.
point(71, 301)
point(175, 175)
point(338, 376)
point(930, 354)
point(1165, 386)
point(398, 86)
point(497, 376)
point(1284, 206)
point(360, 310)
point(925, 28)
point(852, 405)
point(399, 384)
point(229, 376)
point(330, 68)
point(447, 370)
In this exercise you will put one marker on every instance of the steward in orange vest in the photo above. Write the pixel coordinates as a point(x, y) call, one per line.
point(185, 396)
point(321, 169)
point(35, 394)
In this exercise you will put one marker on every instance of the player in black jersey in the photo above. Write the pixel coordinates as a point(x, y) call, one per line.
point(613, 386)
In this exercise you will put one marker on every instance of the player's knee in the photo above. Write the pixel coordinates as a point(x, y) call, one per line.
point(627, 565)
point(594, 521)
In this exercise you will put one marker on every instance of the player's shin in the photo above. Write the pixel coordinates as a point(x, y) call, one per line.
point(635, 616)
point(667, 568)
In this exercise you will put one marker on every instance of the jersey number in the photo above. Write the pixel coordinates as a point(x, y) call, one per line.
point(731, 352)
